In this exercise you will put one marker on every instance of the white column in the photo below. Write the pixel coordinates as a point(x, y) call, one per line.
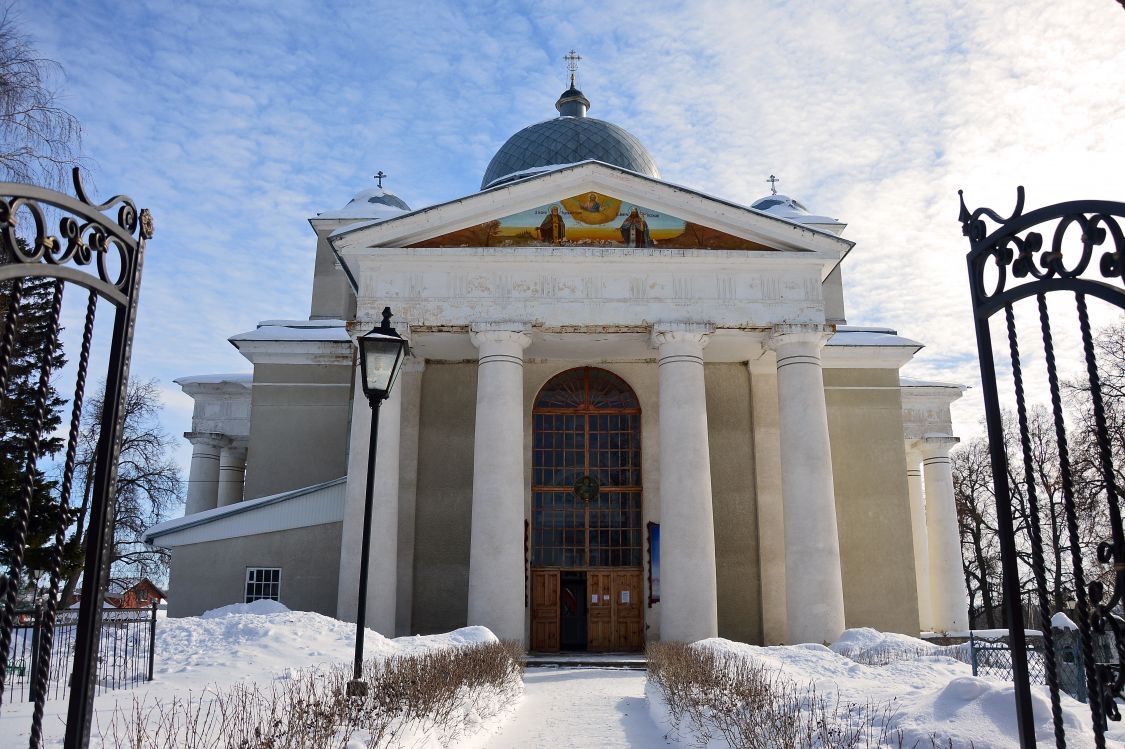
point(203, 478)
point(813, 583)
point(410, 385)
point(382, 566)
point(948, 600)
point(768, 494)
point(688, 598)
point(921, 540)
point(232, 474)
point(496, 552)
point(355, 490)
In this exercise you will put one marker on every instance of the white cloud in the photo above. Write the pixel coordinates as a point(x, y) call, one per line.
point(234, 124)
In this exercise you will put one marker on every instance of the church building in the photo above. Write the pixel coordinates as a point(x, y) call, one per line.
point(631, 411)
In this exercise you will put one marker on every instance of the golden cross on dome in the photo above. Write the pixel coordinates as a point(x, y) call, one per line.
point(572, 64)
point(773, 184)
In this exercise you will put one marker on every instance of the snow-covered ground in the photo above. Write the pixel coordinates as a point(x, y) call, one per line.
point(580, 709)
point(929, 695)
point(259, 642)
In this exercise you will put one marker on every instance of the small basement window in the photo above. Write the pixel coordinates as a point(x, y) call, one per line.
point(263, 583)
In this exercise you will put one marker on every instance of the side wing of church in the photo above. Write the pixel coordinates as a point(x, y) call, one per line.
point(631, 411)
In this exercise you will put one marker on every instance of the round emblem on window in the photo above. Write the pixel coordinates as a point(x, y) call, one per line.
point(586, 488)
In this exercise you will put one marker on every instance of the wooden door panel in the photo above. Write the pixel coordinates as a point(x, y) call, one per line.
point(545, 610)
point(628, 626)
point(599, 586)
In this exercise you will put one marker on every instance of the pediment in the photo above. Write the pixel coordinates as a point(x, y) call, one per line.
point(590, 204)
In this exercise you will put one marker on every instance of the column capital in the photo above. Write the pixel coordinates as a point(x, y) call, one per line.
point(206, 439)
point(413, 364)
point(356, 328)
point(935, 445)
point(501, 333)
point(787, 335)
point(691, 334)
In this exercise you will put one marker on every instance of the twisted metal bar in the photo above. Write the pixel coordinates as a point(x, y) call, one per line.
point(1071, 521)
point(46, 641)
point(1107, 552)
point(34, 441)
point(11, 322)
point(1037, 565)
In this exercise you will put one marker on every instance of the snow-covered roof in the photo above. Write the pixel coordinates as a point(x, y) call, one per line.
point(295, 330)
point(243, 378)
point(375, 203)
point(528, 173)
point(790, 209)
point(563, 177)
point(908, 382)
point(852, 335)
point(311, 505)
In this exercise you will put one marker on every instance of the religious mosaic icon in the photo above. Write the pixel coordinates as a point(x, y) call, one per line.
point(586, 489)
point(592, 219)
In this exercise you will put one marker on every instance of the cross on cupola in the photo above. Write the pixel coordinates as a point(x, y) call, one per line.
point(379, 177)
point(572, 59)
point(773, 184)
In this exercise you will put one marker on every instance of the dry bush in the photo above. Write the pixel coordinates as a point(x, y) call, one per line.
point(871, 657)
point(712, 694)
point(436, 694)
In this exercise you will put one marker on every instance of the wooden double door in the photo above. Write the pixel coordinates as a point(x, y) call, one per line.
point(589, 609)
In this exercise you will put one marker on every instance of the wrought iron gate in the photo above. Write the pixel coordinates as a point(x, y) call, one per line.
point(99, 258)
point(1071, 254)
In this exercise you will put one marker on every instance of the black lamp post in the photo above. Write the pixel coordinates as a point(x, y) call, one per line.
point(381, 351)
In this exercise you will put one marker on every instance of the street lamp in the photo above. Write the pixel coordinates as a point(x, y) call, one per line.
point(381, 351)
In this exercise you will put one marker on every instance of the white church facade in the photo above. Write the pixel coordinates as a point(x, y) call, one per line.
point(631, 411)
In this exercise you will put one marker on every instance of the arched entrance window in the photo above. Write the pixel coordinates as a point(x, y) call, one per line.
point(586, 540)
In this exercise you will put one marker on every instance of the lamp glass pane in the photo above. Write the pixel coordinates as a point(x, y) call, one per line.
point(381, 356)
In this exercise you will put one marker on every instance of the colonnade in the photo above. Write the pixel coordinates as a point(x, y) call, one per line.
point(217, 475)
point(688, 609)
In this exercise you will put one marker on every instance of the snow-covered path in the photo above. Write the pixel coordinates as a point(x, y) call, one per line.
point(580, 709)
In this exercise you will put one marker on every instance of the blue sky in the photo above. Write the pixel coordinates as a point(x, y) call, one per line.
point(236, 121)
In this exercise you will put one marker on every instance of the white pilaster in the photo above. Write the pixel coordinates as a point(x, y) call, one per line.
point(496, 552)
point(921, 540)
point(382, 567)
point(232, 473)
point(768, 493)
point(948, 599)
point(688, 598)
point(410, 383)
point(814, 586)
point(203, 477)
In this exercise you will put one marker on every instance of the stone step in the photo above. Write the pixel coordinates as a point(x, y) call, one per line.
point(629, 661)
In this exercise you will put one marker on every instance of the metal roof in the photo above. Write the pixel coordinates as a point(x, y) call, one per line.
point(567, 140)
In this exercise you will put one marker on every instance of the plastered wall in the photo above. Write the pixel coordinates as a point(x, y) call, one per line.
point(298, 426)
point(872, 502)
point(213, 573)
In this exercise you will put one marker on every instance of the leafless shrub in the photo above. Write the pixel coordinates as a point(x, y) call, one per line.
point(426, 695)
point(710, 695)
point(883, 657)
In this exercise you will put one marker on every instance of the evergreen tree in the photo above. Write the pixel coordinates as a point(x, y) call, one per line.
point(17, 420)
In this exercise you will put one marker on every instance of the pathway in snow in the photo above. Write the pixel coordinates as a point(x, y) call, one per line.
point(580, 708)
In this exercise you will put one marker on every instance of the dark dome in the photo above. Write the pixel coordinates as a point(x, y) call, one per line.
point(566, 140)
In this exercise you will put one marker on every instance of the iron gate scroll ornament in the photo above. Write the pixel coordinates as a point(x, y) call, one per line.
point(105, 257)
point(1025, 266)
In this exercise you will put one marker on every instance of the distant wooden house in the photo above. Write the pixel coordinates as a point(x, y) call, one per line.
point(130, 593)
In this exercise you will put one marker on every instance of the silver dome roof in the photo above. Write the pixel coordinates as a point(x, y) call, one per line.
point(568, 139)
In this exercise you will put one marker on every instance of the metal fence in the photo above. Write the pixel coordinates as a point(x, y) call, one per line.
point(993, 658)
point(126, 653)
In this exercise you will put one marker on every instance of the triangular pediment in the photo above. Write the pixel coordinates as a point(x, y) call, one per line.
point(590, 204)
